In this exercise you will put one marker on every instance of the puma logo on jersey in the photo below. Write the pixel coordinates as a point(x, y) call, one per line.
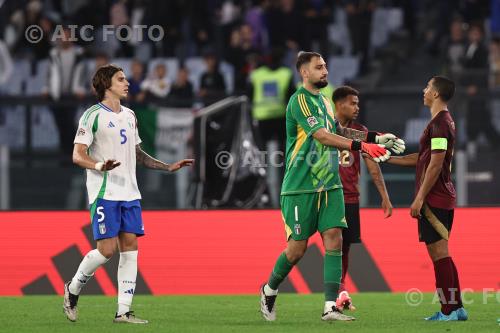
point(110, 125)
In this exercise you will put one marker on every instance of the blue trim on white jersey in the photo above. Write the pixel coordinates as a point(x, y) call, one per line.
point(108, 109)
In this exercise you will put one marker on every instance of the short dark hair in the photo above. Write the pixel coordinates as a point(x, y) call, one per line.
point(444, 86)
point(342, 92)
point(304, 57)
point(477, 25)
point(102, 79)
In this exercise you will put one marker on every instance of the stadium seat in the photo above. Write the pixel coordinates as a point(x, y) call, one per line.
point(20, 73)
point(125, 64)
point(43, 129)
point(385, 22)
point(338, 33)
point(341, 69)
point(196, 67)
point(38, 79)
point(12, 129)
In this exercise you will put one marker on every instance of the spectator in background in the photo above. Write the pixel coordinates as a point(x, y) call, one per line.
point(212, 85)
point(167, 15)
point(64, 58)
point(247, 39)
point(454, 49)
point(200, 23)
point(359, 21)
point(317, 14)
point(14, 30)
point(6, 66)
point(182, 90)
point(494, 60)
point(19, 21)
point(158, 85)
point(285, 25)
point(135, 94)
point(475, 80)
point(119, 16)
point(227, 16)
point(240, 54)
point(84, 72)
point(271, 86)
point(42, 48)
point(255, 19)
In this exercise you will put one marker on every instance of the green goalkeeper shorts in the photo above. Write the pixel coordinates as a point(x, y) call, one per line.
point(306, 213)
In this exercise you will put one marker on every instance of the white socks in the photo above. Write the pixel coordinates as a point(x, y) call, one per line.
point(92, 261)
point(270, 292)
point(127, 274)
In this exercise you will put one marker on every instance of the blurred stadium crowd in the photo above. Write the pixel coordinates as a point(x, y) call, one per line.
point(213, 49)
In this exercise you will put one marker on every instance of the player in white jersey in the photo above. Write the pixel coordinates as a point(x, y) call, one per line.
point(107, 144)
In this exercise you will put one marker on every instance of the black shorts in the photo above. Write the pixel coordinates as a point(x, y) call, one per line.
point(352, 234)
point(434, 224)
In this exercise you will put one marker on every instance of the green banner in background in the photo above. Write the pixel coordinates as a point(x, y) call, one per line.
point(146, 119)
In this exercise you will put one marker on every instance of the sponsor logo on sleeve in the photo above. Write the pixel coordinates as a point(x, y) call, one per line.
point(80, 132)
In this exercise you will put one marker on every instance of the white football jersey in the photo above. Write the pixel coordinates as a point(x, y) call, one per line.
point(110, 135)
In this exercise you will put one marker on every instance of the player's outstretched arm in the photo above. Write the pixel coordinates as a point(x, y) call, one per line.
point(378, 180)
point(333, 140)
point(409, 160)
point(152, 163)
point(389, 140)
point(375, 151)
point(82, 159)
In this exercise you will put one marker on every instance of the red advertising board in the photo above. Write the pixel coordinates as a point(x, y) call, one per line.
point(233, 252)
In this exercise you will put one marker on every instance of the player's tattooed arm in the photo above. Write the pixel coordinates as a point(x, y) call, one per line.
point(152, 163)
point(149, 162)
point(350, 133)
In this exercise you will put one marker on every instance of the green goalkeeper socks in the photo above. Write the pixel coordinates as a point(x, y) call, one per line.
point(332, 273)
point(280, 271)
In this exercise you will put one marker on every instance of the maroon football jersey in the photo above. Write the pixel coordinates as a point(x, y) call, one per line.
point(442, 195)
point(349, 169)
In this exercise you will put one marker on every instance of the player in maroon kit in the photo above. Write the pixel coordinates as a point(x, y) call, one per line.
point(346, 100)
point(435, 195)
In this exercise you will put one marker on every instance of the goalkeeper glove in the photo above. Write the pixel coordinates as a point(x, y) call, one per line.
point(376, 151)
point(391, 141)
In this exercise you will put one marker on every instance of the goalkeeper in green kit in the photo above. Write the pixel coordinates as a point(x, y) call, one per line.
point(311, 193)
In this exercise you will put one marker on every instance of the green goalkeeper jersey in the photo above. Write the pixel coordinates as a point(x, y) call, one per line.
point(310, 166)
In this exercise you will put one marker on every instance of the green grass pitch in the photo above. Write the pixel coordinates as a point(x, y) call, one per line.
point(377, 312)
